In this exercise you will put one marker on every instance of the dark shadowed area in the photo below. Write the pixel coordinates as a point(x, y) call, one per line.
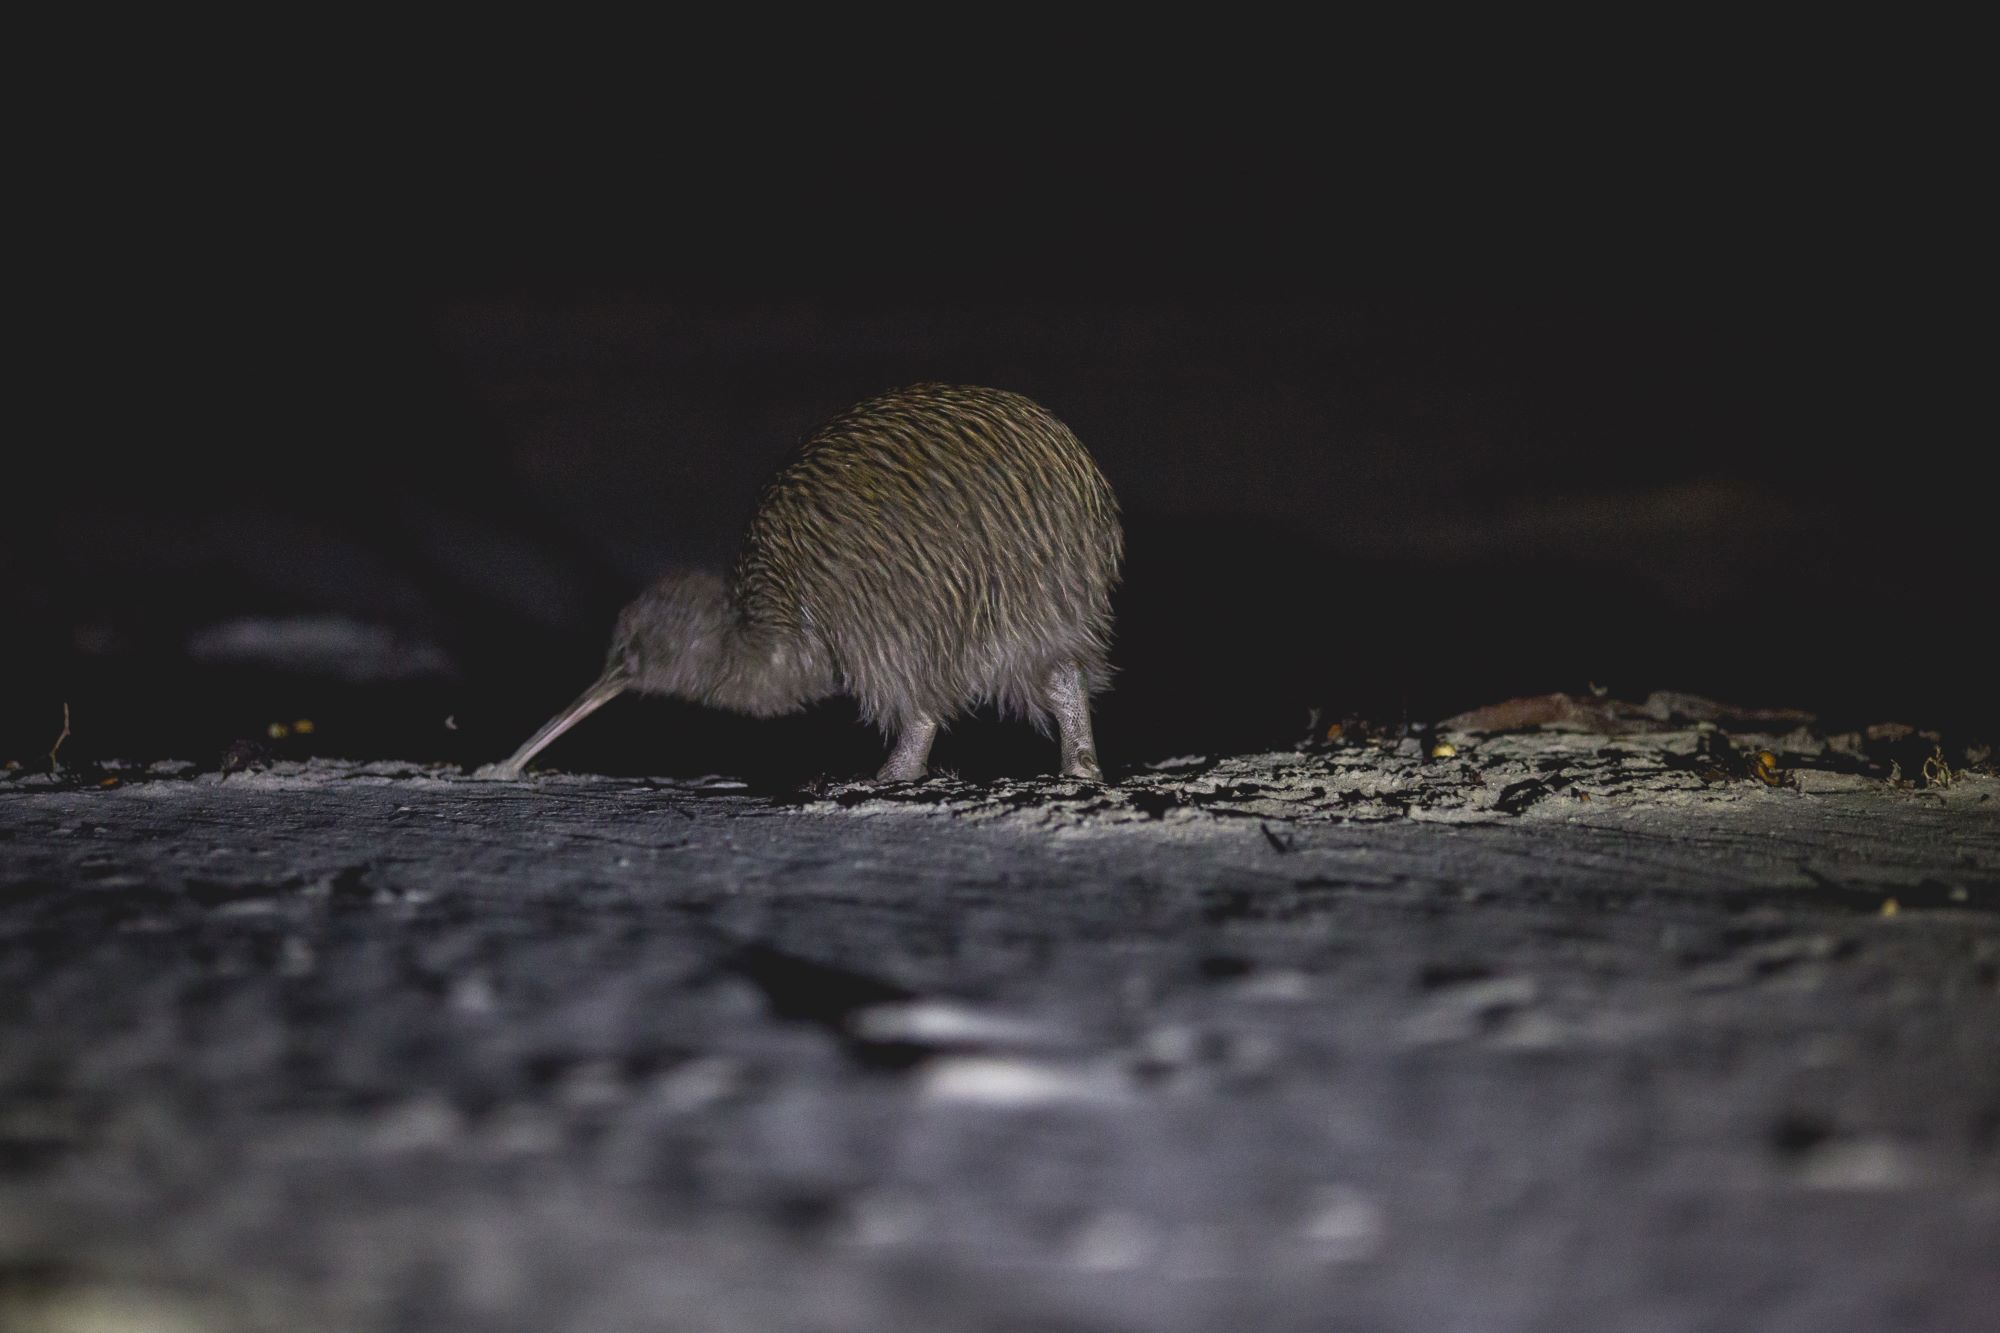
point(409, 511)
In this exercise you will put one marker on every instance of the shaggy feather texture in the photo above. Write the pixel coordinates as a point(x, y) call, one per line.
point(927, 551)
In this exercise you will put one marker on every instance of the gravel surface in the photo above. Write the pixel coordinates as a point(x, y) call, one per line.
point(1556, 1031)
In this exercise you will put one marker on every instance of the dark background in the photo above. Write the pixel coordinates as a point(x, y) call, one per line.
point(379, 428)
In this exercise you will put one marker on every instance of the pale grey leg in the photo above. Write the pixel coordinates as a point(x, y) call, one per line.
point(1069, 702)
point(912, 752)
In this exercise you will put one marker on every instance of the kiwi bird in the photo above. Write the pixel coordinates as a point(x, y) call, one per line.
point(928, 551)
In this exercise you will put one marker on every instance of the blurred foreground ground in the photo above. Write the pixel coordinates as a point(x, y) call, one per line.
point(1561, 1031)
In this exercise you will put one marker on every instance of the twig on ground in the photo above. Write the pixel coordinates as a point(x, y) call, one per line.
point(1937, 773)
point(55, 763)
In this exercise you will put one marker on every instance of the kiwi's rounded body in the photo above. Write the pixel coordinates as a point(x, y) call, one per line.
point(942, 547)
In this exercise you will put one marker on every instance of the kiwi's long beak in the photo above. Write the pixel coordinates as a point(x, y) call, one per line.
point(608, 687)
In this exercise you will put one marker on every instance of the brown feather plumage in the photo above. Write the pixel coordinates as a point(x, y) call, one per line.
point(927, 551)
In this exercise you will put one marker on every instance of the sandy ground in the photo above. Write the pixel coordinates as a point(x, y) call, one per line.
point(1559, 1031)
